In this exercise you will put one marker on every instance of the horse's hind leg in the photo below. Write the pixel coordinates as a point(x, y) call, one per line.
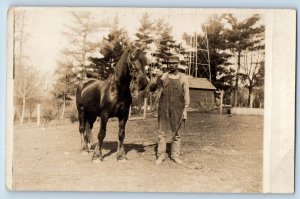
point(121, 135)
point(88, 130)
point(81, 127)
point(87, 136)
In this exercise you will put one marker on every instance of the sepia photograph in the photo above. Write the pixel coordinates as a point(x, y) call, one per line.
point(139, 99)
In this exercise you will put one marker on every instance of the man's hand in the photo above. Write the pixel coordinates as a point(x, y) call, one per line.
point(184, 114)
point(159, 73)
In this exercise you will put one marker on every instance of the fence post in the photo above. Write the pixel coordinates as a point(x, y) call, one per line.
point(151, 102)
point(145, 107)
point(38, 115)
point(221, 102)
point(129, 111)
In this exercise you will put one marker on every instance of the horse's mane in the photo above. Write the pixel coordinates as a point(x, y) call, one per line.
point(121, 69)
point(121, 66)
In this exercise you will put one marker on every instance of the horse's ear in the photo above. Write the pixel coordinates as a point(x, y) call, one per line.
point(144, 46)
point(136, 44)
point(129, 45)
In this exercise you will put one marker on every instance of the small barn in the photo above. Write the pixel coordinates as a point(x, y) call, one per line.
point(202, 93)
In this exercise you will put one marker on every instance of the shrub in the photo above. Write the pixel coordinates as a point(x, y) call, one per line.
point(48, 116)
point(73, 114)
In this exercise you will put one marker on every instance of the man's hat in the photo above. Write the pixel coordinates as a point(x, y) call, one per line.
point(173, 59)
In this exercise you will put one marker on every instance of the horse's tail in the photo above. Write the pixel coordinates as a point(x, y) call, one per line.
point(81, 119)
point(78, 97)
point(80, 109)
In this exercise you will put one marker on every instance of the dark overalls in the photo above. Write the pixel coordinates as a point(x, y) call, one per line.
point(170, 110)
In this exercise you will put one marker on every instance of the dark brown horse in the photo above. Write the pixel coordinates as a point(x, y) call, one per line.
point(110, 98)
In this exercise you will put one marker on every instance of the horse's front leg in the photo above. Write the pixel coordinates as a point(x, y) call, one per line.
point(121, 135)
point(102, 133)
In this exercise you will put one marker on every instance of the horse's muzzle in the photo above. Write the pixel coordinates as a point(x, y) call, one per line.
point(142, 83)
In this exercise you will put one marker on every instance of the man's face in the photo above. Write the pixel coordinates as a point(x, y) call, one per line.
point(173, 66)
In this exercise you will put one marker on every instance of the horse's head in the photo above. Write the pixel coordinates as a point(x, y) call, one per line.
point(137, 61)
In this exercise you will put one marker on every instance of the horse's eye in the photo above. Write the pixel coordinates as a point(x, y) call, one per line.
point(133, 68)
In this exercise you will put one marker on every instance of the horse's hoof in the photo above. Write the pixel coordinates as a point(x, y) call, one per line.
point(97, 161)
point(88, 147)
point(122, 160)
point(84, 152)
point(83, 148)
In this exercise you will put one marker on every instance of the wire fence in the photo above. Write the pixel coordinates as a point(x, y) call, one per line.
point(45, 115)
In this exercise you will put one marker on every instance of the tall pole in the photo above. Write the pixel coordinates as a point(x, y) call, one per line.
point(190, 64)
point(208, 54)
point(196, 55)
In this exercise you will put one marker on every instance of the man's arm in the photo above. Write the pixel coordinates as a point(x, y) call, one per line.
point(186, 91)
point(186, 95)
point(158, 82)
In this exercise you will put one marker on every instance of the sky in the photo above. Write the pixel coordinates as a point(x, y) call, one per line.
point(45, 27)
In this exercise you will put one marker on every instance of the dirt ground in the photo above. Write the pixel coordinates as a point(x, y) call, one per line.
point(221, 154)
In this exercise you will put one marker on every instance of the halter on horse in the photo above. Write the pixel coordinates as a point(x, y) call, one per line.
point(110, 98)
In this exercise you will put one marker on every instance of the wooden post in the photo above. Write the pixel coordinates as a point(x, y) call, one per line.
point(38, 115)
point(196, 46)
point(151, 101)
point(129, 111)
point(221, 102)
point(145, 107)
point(190, 62)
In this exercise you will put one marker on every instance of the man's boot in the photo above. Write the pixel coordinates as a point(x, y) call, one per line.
point(159, 160)
point(161, 149)
point(175, 152)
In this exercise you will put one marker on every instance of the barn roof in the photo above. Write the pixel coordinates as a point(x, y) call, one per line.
point(200, 83)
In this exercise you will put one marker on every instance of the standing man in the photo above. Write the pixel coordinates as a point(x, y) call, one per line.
point(172, 109)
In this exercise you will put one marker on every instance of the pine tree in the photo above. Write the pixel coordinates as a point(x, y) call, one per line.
point(166, 44)
point(111, 47)
point(145, 31)
point(239, 38)
point(221, 74)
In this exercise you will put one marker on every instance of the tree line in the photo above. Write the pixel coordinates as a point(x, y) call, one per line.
point(236, 54)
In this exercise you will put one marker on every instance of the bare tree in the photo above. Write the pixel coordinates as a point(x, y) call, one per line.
point(252, 73)
point(29, 84)
point(239, 38)
point(20, 62)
